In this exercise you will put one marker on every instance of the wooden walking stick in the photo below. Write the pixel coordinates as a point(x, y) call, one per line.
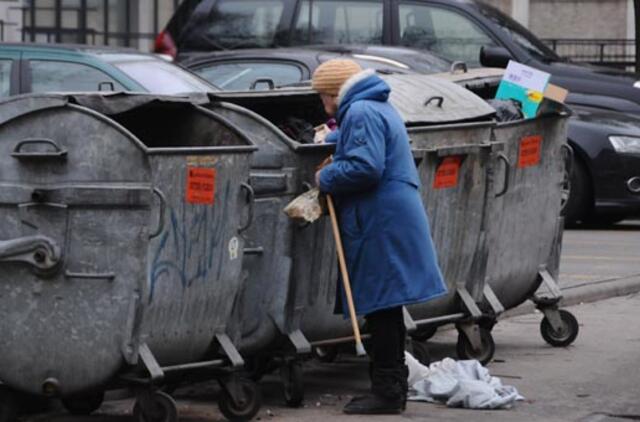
point(345, 278)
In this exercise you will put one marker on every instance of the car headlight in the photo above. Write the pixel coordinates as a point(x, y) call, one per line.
point(636, 84)
point(625, 144)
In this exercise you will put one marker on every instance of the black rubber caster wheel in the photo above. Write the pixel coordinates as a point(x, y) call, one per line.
point(155, 407)
point(292, 383)
point(563, 337)
point(420, 351)
point(487, 349)
point(8, 405)
point(326, 354)
point(83, 405)
point(424, 334)
point(244, 407)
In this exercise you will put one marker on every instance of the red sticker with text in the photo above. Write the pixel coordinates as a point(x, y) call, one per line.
point(201, 185)
point(447, 173)
point(530, 151)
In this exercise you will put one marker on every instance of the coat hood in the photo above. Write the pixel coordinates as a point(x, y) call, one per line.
point(365, 85)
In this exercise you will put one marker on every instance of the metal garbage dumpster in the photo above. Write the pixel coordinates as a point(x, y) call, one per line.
point(450, 130)
point(292, 268)
point(121, 251)
point(287, 263)
point(525, 230)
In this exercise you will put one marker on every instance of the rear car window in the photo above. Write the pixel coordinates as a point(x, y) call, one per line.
point(160, 77)
point(338, 22)
point(238, 75)
point(61, 76)
point(238, 24)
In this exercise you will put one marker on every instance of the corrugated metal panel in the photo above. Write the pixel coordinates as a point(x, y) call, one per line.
point(428, 99)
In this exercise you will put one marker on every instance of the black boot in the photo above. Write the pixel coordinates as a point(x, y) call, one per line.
point(373, 404)
point(387, 396)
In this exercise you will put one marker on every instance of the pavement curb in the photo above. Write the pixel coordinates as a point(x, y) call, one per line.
point(587, 293)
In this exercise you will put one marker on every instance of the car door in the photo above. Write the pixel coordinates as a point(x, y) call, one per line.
point(9, 73)
point(446, 30)
point(50, 72)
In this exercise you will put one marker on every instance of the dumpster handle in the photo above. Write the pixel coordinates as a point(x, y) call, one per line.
point(58, 152)
point(163, 205)
point(507, 172)
point(437, 98)
point(250, 199)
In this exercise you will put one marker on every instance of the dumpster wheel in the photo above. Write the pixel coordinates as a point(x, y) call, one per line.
point(326, 354)
point(244, 407)
point(292, 383)
point(563, 337)
point(487, 349)
point(85, 404)
point(8, 405)
point(155, 407)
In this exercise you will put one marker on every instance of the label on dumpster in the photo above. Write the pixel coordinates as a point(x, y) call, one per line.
point(447, 173)
point(530, 147)
point(201, 185)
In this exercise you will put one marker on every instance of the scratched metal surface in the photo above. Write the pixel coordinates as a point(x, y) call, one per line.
point(295, 260)
point(95, 205)
point(525, 229)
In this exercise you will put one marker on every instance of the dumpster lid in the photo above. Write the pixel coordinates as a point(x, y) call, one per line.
point(430, 99)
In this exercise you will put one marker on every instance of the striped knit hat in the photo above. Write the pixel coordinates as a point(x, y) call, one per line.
point(330, 75)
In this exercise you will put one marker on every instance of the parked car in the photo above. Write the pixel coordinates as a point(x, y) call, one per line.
point(604, 184)
point(269, 68)
point(455, 29)
point(26, 68)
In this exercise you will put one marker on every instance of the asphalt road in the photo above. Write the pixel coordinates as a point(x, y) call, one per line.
point(596, 379)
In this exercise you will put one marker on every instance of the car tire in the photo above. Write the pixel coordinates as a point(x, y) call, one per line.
point(580, 202)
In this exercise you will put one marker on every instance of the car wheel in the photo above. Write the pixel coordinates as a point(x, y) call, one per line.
point(580, 202)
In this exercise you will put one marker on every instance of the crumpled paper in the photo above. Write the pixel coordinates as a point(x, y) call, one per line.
point(307, 206)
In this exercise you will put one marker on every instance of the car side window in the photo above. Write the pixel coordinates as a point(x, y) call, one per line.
point(49, 75)
point(338, 22)
point(443, 31)
point(238, 75)
point(242, 23)
point(5, 77)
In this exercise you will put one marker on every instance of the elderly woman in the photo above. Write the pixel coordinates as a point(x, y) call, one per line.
point(389, 252)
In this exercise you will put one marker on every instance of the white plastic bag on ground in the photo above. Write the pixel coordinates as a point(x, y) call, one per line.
point(464, 383)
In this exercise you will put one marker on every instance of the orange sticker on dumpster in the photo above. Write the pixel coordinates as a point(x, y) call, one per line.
point(530, 147)
point(447, 173)
point(201, 185)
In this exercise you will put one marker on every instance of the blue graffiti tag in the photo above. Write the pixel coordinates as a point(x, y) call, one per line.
point(187, 246)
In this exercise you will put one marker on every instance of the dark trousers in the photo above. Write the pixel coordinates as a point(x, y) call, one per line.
point(388, 370)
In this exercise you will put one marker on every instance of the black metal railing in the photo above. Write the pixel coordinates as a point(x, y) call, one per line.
point(117, 29)
point(608, 52)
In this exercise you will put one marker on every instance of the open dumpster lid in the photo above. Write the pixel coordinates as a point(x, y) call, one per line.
point(429, 99)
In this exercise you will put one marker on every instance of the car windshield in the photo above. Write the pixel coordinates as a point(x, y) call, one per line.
point(520, 35)
point(156, 75)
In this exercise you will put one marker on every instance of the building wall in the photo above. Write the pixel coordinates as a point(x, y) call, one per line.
point(11, 18)
point(572, 18)
point(579, 19)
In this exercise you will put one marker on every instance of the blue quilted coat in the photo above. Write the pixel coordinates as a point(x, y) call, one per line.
point(374, 182)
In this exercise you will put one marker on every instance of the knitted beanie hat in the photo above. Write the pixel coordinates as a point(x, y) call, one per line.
point(330, 75)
